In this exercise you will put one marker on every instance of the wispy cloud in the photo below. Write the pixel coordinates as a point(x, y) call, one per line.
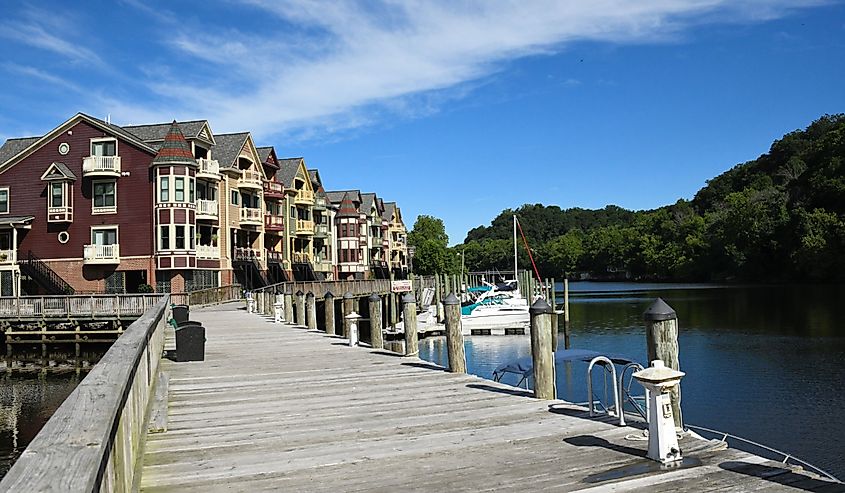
point(47, 31)
point(340, 64)
point(40, 75)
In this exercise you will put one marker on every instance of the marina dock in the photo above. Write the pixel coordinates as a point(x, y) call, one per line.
point(278, 407)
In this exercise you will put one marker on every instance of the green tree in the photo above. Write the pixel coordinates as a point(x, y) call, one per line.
point(431, 252)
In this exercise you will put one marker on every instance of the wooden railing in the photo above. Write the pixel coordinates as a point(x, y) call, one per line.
point(93, 441)
point(210, 296)
point(209, 167)
point(101, 254)
point(78, 306)
point(207, 207)
point(338, 288)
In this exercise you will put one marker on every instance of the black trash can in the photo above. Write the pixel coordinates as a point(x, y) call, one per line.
point(190, 342)
point(180, 313)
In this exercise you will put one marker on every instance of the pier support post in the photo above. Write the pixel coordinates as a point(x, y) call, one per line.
point(541, 350)
point(661, 328)
point(329, 312)
point(288, 308)
point(300, 308)
point(438, 297)
point(454, 336)
point(566, 313)
point(348, 308)
point(376, 337)
point(410, 321)
point(311, 310)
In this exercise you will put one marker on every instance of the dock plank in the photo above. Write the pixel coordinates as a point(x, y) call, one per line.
point(277, 407)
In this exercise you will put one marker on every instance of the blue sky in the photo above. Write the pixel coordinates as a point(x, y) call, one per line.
point(456, 109)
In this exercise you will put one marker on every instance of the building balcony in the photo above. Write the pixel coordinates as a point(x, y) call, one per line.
point(301, 258)
point(273, 256)
point(321, 230)
point(304, 227)
point(273, 222)
point(208, 169)
point(320, 203)
point(60, 214)
point(207, 209)
point(8, 257)
point(208, 252)
point(251, 216)
point(376, 242)
point(304, 197)
point(101, 254)
point(246, 254)
point(322, 265)
point(273, 190)
point(251, 179)
point(108, 166)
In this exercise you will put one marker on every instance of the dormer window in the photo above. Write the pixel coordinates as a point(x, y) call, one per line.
point(59, 180)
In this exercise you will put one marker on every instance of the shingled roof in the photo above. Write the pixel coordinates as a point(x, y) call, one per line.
point(389, 207)
point(264, 155)
point(288, 168)
point(336, 196)
point(12, 147)
point(368, 200)
point(347, 208)
point(58, 171)
point(228, 148)
point(156, 132)
point(175, 148)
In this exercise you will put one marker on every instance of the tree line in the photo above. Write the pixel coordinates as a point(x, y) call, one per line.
point(778, 217)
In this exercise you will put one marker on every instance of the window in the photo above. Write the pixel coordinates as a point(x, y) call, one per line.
point(191, 237)
point(164, 189)
point(180, 237)
point(105, 195)
point(234, 197)
point(164, 235)
point(4, 200)
point(179, 190)
point(104, 148)
point(104, 236)
point(57, 194)
point(293, 212)
point(191, 190)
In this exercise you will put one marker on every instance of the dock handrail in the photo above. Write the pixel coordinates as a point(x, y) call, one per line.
point(93, 440)
point(605, 362)
point(785, 458)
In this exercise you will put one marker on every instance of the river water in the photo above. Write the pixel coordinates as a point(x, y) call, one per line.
point(766, 363)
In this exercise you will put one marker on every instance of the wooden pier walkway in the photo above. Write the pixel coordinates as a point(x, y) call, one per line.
point(280, 408)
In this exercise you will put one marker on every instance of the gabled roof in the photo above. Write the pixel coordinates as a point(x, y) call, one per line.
point(288, 168)
point(315, 178)
point(389, 207)
point(17, 149)
point(192, 129)
point(267, 156)
point(13, 146)
point(368, 200)
point(175, 148)
point(58, 171)
point(336, 196)
point(228, 148)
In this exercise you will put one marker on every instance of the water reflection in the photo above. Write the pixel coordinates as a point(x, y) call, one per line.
point(26, 403)
point(763, 362)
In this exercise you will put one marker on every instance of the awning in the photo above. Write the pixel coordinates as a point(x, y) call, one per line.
point(16, 221)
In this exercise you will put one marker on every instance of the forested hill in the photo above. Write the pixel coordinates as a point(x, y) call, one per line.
point(778, 217)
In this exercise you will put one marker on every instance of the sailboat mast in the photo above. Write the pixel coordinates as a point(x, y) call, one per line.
point(514, 249)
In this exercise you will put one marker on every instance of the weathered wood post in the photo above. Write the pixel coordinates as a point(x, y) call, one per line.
point(311, 310)
point(329, 312)
point(550, 291)
point(541, 350)
point(348, 307)
point(376, 337)
point(410, 322)
point(394, 317)
point(454, 336)
point(661, 329)
point(438, 297)
point(288, 307)
point(300, 308)
point(566, 312)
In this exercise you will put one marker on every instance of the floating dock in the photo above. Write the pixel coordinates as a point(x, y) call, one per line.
point(277, 407)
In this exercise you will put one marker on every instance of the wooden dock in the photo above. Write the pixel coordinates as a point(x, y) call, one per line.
point(279, 408)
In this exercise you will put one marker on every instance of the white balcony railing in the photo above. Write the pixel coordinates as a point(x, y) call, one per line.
point(208, 252)
point(208, 168)
point(304, 197)
point(101, 166)
point(8, 256)
point(207, 208)
point(301, 257)
point(304, 227)
point(251, 215)
point(321, 229)
point(250, 179)
point(101, 254)
point(246, 253)
point(320, 202)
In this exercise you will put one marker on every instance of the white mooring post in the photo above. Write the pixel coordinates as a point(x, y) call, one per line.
point(352, 320)
point(659, 380)
point(278, 311)
point(250, 303)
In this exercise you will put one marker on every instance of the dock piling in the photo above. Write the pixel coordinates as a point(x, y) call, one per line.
point(661, 326)
point(348, 308)
point(454, 336)
point(541, 350)
point(329, 312)
point(376, 337)
point(300, 308)
point(311, 310)
point(410, 322)
point(288, 307)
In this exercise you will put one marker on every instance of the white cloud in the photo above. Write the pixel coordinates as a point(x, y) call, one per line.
point(41, 75)
point(338, 64)
point(48, 30)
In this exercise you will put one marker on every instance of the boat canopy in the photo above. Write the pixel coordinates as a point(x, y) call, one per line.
point(524, 366)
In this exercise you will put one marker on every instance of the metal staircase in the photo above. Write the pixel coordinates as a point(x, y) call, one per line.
point(41, 273)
